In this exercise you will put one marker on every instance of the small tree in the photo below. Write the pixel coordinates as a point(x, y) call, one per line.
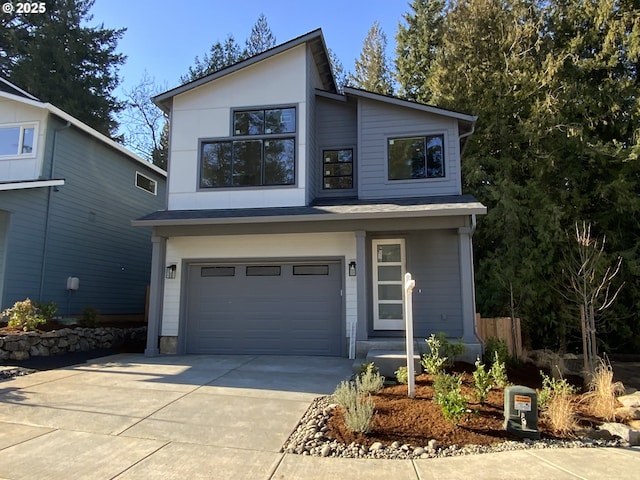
point(590, 282)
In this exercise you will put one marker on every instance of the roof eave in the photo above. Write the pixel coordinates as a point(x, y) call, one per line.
point(475, 208)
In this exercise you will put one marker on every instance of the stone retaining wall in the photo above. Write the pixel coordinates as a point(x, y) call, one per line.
point(34, 344)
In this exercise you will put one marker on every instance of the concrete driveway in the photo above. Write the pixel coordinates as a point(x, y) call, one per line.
point(128, 416)
point(221, 417)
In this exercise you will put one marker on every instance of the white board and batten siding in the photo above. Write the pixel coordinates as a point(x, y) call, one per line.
point(205, 113)
point(377, 123)
point(259, 248)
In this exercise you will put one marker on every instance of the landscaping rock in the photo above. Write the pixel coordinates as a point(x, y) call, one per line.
point(632, 400)
point(625, 432)
point(628, 413)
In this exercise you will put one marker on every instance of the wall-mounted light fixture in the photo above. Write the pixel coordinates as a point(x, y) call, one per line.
point(170, 271)
point(352, 269)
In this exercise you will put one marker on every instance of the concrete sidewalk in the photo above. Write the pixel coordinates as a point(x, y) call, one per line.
point(218, 417)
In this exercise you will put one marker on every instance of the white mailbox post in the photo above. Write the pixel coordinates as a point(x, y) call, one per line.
point(408, 315)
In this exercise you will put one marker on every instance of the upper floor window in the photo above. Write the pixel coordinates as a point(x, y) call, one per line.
point(265, 157)
point(337, 169)
point(270, 121)
point(416, 157)
point(146, 183)
point(17, 140)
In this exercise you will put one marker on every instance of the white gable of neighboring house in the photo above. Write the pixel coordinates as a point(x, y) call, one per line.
point(23, 130)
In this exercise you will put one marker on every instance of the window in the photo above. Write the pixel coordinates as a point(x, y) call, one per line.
point(17, 140)
point(264, 157)
point(263, 271)
point(311, 269)
point(146, 183)
point(337, 169)
point(416, 157)
point(217, 271)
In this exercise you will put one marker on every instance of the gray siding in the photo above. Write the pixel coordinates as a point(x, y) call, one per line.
point(24, 243)
point(380, 121)
point(433, 261)
point(313, 81)
point(89, 234)
point(336, 127)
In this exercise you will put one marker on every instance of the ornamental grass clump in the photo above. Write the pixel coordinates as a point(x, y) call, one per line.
point(23, 315)
point(557, 404)
point(355, 398)
point(603, 391)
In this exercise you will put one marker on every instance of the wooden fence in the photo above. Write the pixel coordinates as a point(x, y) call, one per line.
point(503, 328)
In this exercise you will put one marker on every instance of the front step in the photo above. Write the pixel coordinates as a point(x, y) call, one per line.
point(387, 362)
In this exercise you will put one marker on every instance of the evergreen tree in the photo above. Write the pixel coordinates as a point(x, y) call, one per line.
point(220, 55)
point(372, 71)
point(56, 58)
point(417, 44)
point(555, 87)
point(229, 52)
point(261, 38)
point(340, 75)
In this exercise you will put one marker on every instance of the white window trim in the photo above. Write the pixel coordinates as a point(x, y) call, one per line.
point(153, 182)
point(23, 127)
point(387, 324)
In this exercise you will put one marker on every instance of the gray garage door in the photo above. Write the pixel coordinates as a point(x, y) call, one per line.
point(269, 308)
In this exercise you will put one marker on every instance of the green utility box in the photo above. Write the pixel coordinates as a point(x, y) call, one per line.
point(521, 411)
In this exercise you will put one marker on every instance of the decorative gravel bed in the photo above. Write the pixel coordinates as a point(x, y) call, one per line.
point(309, 439)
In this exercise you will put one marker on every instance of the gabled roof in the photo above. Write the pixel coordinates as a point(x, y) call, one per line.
point(465, 117)
point(7, 86)
point(25, 98)
point(315, 39)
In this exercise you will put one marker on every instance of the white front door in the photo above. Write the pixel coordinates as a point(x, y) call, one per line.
point(388, 273)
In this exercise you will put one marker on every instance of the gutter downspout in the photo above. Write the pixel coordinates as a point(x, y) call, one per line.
point(465, 135)
point(48, 211)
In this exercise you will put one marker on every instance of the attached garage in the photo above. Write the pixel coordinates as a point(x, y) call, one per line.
point(282, 308)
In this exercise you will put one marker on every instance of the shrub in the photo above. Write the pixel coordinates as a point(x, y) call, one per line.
point(444, 382)
point(368, 368)
point(23, 315)
point(552, 387)
point(89, 317)
point(432, 362)
point(603, 391)
point(450, 351)
point(345, 395)
point(47, 310)
point(482, 382)
point(402, 375)
point(357, 408)
point(370, 381)
point(498, 372)
point(358, 417)
point(496, 346)
point(449, 397)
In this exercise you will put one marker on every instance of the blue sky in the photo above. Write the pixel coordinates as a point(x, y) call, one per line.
point(163, 37)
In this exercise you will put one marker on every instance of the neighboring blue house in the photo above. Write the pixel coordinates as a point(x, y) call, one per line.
point(294, 211)
point(67, 198)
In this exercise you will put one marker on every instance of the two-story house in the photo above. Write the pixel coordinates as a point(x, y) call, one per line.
point(294, 211)
point(67, 198)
